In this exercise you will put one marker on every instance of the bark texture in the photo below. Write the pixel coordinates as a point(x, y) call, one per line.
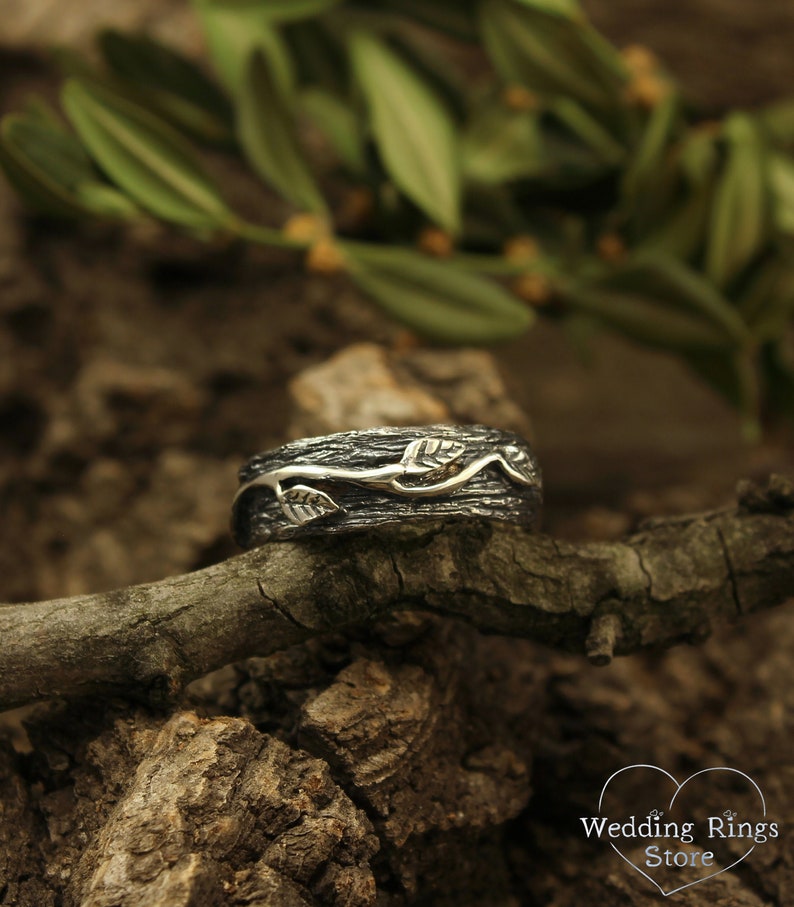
point(207, 796)
point(489, 493)
point(665, 585)
point(376, 769)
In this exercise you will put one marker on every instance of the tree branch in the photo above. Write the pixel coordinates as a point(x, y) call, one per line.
point(667, 584)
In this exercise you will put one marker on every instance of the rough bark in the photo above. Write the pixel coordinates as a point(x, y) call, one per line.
point(394, 764)
point(206, 798)
point(667, 584)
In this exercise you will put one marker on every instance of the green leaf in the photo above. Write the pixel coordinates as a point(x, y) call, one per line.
point(438, 71)
point(233, 32)
point(436, 299)
point(36, 109)
point(266, 131)
point(278, 10)
point(673, 284)
point(550, 54)
point(644, 321)
point(197, 123)
point(649, 156)
point(767, 300)
point(777, 123)
point(149, 160)
point(50, 169)
point(319, 56)
point(105, 201)
point(698, 157)
point(681, 233)
point(413, 130)
point(170, 83)
point(49, 148)
point(781, 179)
point(340, 125)
point(682, 228)
point(141, 59)
point(500, 145)
point(740, 216)
point(587, 128)
point(570, 9)
point(36, 187)
point(661, 303)
point(604, 60)
point(454, 17)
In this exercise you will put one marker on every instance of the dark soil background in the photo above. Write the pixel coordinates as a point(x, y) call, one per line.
point(138, 371)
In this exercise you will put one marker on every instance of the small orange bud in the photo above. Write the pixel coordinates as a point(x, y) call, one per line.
point(325, 257)
point(611, 248)
point(647, 90)
point(304, 227)
point(436, 242)
point(516, 97)
point(639, 59)
point(521, 250)
point(533, 288)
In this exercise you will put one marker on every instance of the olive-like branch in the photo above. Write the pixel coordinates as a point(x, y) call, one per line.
point(667, 584)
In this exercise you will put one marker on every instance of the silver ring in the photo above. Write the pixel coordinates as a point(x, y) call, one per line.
point(361, 479)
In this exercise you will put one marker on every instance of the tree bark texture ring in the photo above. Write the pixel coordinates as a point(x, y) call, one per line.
point(361, 479)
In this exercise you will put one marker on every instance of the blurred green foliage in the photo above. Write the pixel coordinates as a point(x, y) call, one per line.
point(499, 157)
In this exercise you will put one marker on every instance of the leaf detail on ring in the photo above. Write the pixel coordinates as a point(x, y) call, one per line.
point(426, 454)
point(302, 504)
point(518, 464)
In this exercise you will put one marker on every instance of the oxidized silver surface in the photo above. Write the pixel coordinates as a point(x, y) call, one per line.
point(360, 479)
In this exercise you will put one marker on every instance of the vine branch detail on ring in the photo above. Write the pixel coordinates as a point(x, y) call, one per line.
point(356, 480)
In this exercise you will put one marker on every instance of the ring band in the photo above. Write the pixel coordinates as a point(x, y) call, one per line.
point(361, 479)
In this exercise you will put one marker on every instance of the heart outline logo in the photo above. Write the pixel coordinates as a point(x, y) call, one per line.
point(679, 788)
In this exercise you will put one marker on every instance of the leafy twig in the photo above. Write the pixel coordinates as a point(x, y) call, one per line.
point(584, 157)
